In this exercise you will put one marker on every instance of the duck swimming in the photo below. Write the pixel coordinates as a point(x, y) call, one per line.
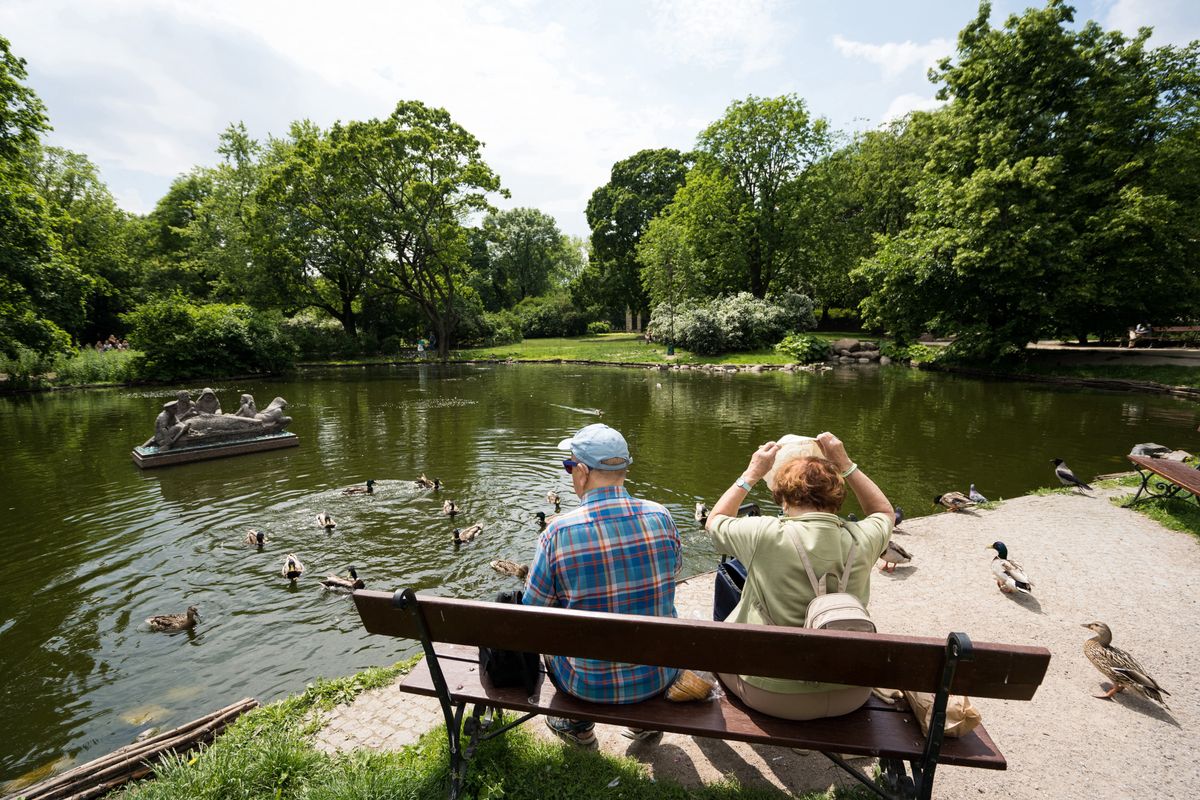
point(449, 508)
point(506, 567)
point(552, 497)
point(701, 513)
point(467, 534)
point(175, 622)
point(424, 483)
point(368, 489)
point(292, 567)
point(256, 538)
point(325, 521)
point(336, 583)
point(544, 520)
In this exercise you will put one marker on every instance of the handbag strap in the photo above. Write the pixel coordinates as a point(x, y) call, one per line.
point(847, 568)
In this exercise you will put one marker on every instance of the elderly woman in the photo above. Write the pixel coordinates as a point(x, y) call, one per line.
point(778, 591)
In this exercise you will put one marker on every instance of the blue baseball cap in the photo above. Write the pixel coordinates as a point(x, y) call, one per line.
point(596, 444)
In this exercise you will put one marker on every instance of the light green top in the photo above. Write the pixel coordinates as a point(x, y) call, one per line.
point(777, 588)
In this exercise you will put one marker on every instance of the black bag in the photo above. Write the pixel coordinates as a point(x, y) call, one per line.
point(506, 668)
point(731, 578)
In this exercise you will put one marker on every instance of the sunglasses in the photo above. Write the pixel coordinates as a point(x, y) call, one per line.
point(569, 465)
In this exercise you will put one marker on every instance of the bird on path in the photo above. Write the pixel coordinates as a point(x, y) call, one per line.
point(899, 517)
point(1066, 477)
point(975, 495)
point(552, 497)
point(292, 567)
point(256, 538)
point(1119, 667)
point(954, 501)
point(325, 521)
point(449, 508)
point(467, 534)
point(336, 583)
point(175, 622)
point(1010, 576)
point(894, 554)
point(368, 489)
point(506, 567)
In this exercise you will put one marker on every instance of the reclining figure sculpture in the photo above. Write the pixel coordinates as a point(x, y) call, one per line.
point(184, 423)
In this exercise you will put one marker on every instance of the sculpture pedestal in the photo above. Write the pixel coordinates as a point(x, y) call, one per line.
point(148, 457)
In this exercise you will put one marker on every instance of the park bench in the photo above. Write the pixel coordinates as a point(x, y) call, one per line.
point(1160, 333)
point(1176, 477)
point(450, 631)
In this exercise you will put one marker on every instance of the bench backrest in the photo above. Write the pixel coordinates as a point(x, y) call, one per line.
point(862, 659)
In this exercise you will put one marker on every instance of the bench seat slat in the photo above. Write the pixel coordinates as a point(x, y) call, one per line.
point(902, 662)
point(876, 729)
point(1175, 471)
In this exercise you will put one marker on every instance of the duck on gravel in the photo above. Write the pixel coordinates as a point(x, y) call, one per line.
point(1009, 575)
point(954, 501)
point(1119, 667)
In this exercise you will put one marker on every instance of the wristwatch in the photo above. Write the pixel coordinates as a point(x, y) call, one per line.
point(743, 484)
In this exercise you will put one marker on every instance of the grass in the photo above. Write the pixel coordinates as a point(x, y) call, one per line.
point(28, 370)
point(1176, 515)
point(267, 754)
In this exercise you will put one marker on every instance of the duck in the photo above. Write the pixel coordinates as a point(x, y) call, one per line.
point(424, 483)
point(1010, 576)
point(954, 501)
point(336, 583)
point(506, 567)
point(368, 489)
point(894, 554)
point(449, 508)
point(975, 495)
point(467, 534)
point(701, 513)
point(552, 497)
point(292, 567)
point(325, 521)
point(175, 622)
point(1119, 667)
point(256, 538)
point(544, 520)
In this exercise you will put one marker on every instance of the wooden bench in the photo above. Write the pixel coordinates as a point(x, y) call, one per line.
point(451, 630)
point(1176, 476)
point(1159, 333)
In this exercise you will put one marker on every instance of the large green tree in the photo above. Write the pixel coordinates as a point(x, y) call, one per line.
point(618, 212)
point(527, 253)
point(1047, 204)
point(424, 175)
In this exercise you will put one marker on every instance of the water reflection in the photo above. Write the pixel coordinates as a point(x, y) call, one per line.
point(94, 546)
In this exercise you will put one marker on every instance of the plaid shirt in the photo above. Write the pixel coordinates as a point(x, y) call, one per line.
point(614, 553)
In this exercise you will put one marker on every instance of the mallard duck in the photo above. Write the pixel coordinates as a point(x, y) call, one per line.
point(1010, 576)
point(175, 622)
point(975, 495)
point(424, 483)
point(1119, 667)
point(544, 520)
point(954, 501)
point(552, 497)
point(449, 508)
point(467, 534)
point(701, 513)
point(292, 567)
point(506, 567)
point(1066, 477)
point(325, 521)
point(894, 554)
point(368, 489)
point(256, 538)
point(336, 583)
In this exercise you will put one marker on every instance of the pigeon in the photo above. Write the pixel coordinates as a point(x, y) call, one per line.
point(1067, 477)
point(975, 496)
point(899, 517)
point(1010, 577)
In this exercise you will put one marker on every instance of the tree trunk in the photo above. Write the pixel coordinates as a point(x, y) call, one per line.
point(443, 339)
point(348, 320)
point(824, 316)
point(628, 319)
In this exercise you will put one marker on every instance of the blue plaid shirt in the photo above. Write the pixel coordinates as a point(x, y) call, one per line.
point(613, 553)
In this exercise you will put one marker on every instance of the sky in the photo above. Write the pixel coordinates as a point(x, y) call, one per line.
point(558, 90)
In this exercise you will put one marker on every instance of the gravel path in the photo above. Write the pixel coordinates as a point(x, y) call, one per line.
point(1088, 561)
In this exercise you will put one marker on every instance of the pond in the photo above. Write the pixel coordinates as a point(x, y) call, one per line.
point(94, 546)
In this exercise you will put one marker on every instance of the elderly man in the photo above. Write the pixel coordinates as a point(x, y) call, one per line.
point(613, 553)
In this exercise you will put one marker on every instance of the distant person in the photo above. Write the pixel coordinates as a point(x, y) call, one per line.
point(421, 347)
point(614, 553)
point(778, 589)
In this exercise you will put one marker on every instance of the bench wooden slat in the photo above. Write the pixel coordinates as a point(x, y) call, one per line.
point(874, 730)
point(1175, 471)
point(1002, 671)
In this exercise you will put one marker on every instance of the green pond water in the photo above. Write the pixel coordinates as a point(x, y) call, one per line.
point(93, 546)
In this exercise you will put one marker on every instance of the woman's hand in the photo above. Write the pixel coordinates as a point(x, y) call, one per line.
point(762, 461)
point(834, 450)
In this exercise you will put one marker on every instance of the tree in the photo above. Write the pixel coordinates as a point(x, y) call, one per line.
point(667, 263)
point(618, 212)
point(526, 252)
point(172, 241)
point(1045, 206)
point(317, 242)
point(423, 174)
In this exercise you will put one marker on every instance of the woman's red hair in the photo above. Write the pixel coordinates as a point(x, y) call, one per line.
point(814, 482)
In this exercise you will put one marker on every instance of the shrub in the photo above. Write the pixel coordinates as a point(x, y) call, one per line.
point(804, 348)
point(918, 353)
point(740, 322)
point(550, 315)
point(182, 340)
point(316, 336)
point(598, 327)
point(91, 366)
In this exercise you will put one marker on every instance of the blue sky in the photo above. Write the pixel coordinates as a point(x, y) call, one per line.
point(558, 90)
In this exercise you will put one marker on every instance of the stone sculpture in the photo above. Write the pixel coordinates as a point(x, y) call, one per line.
point(184, 423)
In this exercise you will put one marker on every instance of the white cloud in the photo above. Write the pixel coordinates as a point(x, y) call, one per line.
point(905, 103)
point(1174, 21)
point(717, 33)
point(895, 58)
